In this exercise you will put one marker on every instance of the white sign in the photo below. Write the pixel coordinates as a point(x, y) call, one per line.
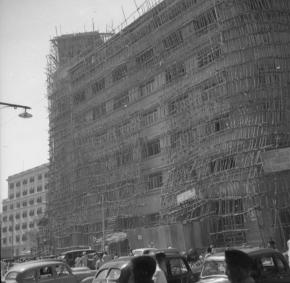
point(186, 195)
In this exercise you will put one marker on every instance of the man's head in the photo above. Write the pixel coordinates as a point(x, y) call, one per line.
point(239, 265)
point(143, 268)
point(161, 260)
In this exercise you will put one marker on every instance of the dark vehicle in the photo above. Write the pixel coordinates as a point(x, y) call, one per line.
point(40, 271)
point(270, 266)
point(70, 256)
point(178, 270)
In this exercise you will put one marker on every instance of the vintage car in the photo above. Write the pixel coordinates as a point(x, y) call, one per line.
point(178, 269)
point(40, 271)
point(269, 266)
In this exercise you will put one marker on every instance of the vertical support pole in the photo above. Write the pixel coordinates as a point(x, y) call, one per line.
point(103, 223)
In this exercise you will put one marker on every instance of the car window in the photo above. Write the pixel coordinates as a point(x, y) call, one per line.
point(61, 270)
point(29, 275)
point(114, 274)
point(102, 274)
point(177, 266)
point(45, 272)
point(281, 266)
point(11, 275)
point(268, 265)
point(213, 268)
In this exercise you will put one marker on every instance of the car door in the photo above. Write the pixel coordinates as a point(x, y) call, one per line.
point(177, 270)
point(273, 269)
point(46, 274)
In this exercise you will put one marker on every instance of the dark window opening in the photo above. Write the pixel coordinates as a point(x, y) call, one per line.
point(98, 86)
point(155, 180)
point(151, 148)
point(208, 55)
point(145, 57)
point(174, 72)
point(173, 40)
point(222, 164)
point(119, 73)
point(121, 101)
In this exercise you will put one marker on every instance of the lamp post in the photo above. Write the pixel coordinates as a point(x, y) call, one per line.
point(103, 224)
point(25, 114)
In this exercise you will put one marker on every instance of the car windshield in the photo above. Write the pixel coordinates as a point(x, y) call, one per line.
point(211, 268)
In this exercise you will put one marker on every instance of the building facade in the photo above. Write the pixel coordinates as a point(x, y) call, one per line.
point(22, 211)
point(171, 129)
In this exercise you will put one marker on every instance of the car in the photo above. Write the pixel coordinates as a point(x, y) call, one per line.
point(143, 251)
point(82, 272)
point(70, 256)
point(40, 271)
point(269, 266)
point(178, 270)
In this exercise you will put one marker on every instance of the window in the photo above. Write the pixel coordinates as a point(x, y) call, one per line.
point(11, 196)
point(174, 72)
point(39, 200)
point(31, 190)
point(147, 88)
point(99, 111)
point(5, 208)
point(61, 270)
point(208, 55)
point(31, 213)
point(175, 139)
point(11, 206)
point(151, 148)
point(205, 21)
point(18, 204)
point(10, 228)
point(4, 218)
point(4, 241)
point(177, 266)
point(11, 185)
point(17, 227)
point(18, 184)
point(218, 124)
point(4, 229)
point(24, 193)
point(11, 217)
point(18, 194)
point(31, 225)
point(39, 188)
point(155, 180)
point(98, 86)
point(79, 97)
point(173, 40)
point(24, 238)
point(179, 104)
point(259, 4)
point(46, 175)
point(119, 73)
point(24, 182)
point(31, 201)
point(31, 179)
point(121, 101)
point(39, 177)
point(149, 117)
point(114, 274)
point(17, 216)
point(124, 157)
point(24, 214)
point(222, 164)
point(45, 272)
point(145, 57)
point(39, 210)
point(24, 226)
point(24, 203)
point(46, 187)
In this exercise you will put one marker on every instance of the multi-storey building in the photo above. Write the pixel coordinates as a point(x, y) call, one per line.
point(176, 129)
point(22, 211)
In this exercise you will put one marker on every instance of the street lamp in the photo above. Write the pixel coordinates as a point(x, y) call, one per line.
point(25, 114)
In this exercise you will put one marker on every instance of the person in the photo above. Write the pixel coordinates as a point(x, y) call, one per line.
point(99, 262)
point(143, 268)
point(160, 272)
point(238, 266)
point(271, 244)
point(78, 261)
point(84, 259)
point(208, 252)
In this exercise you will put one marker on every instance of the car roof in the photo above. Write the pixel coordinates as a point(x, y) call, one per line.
point(79, 250)
point(20, 267)
point(116, 263)
point(250, 251)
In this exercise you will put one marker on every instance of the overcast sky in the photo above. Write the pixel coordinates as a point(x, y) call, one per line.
point(26, 26)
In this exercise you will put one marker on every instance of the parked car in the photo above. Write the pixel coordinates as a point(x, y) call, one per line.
point(178, 270)
point(83, 272)
point(144, 251)
point(52, 271)
point(269, 266)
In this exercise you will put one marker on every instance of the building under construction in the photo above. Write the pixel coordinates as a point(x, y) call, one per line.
point(173, 130)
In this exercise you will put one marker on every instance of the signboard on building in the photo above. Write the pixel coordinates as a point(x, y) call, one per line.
point(276, 160)
point(189, 194)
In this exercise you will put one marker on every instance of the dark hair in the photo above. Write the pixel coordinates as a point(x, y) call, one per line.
point(160, 257)
point(143, 268)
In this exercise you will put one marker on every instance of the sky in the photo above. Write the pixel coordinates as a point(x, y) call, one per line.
point(26, 27)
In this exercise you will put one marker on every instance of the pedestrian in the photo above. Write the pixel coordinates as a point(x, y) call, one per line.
point(78, 261)
point(208, 252)
point(99, 262)
point(238, 266)
point(84, 259)
point(161, 270)
point(271, 244)
point(288, 246)
point(143, 268)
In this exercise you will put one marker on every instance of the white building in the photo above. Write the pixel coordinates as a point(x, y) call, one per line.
point(25, 205)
